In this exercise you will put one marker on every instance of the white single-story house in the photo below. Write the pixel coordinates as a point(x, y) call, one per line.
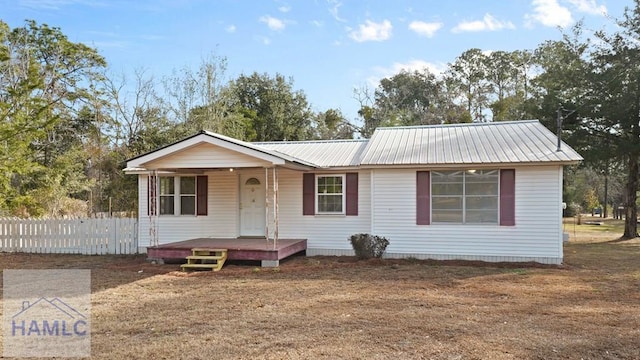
point(489, 191)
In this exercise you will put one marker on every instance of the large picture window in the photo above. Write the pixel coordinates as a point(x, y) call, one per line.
point(330, 194)
point(465, 196)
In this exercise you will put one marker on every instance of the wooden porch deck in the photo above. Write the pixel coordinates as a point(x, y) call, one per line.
point(237, 249)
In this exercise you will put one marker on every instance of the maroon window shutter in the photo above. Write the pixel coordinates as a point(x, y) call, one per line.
point(202, 184)
point(423, 198)
point(352, 194)
point(308, 194)
point(507, 197)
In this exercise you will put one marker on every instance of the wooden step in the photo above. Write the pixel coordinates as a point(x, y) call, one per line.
point(207, 257)
point(203, 258)
point(201, 251)
point(214, 267)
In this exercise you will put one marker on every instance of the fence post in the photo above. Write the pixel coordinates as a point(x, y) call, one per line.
point(112, 242)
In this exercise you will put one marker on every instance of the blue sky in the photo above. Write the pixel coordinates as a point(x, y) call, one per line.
point(329, 47)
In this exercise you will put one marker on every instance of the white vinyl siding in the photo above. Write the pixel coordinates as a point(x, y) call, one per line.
point(221, 220)
point(537, 235)
point(205, 156)
point(324, 233)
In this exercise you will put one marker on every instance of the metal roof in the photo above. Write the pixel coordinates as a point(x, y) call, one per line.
point(323, 153)
point(526, 141)
point(134, 164)
point(253, 146)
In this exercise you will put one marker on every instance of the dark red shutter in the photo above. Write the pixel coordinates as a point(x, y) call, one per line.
point(352, 194)
point(423, 195)
point(308, 194)
point(507, 197)
point(202, 184)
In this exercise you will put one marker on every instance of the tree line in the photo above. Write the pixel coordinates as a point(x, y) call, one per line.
point(68, 125)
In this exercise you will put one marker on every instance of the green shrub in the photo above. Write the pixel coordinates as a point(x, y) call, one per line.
point(367, 246)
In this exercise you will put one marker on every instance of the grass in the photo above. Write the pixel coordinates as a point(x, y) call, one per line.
point(608, 226)
point(339, 308)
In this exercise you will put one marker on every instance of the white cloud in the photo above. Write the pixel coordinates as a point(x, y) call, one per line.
point(334, 8)
point(488, 23)
point(424, 28)
point(317, 23)
point(284, 9)
point(230, 29)
point(589, 7)
point(418, 65)
point(549, 13)
point(372, 31)
point(273, 23)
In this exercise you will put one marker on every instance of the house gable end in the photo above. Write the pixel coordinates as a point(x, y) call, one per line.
point(193, 147)
point(206, 155)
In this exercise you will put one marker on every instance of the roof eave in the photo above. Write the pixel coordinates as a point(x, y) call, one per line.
point(206, 137)
point(468, 165)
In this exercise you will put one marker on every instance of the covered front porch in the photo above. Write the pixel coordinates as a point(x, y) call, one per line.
point(214, 189)
point(268, 252)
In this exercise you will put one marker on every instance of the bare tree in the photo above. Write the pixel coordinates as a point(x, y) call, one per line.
point(195, 98)
point(132, 107)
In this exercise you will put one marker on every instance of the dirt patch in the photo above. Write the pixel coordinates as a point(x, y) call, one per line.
point(340, 308)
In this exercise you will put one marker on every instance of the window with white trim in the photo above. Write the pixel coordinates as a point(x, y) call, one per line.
point(177, 195)
point(167, 195)
point(187, 195)
point(465, 196)
point(330, 197)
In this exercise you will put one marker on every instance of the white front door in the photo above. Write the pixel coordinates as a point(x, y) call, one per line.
point(252, 206)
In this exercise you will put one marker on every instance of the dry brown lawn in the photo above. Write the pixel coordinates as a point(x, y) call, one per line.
point(338, 308)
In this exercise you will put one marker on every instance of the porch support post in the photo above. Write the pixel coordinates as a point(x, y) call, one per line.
point(266, 203)
point(153, 184)
point(275, 207)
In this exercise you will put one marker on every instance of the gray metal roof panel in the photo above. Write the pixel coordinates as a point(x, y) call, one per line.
point(252, 146)
point(526, 141)
point(323, 153)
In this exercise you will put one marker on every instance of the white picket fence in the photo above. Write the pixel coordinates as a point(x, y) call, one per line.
point(69, 236)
